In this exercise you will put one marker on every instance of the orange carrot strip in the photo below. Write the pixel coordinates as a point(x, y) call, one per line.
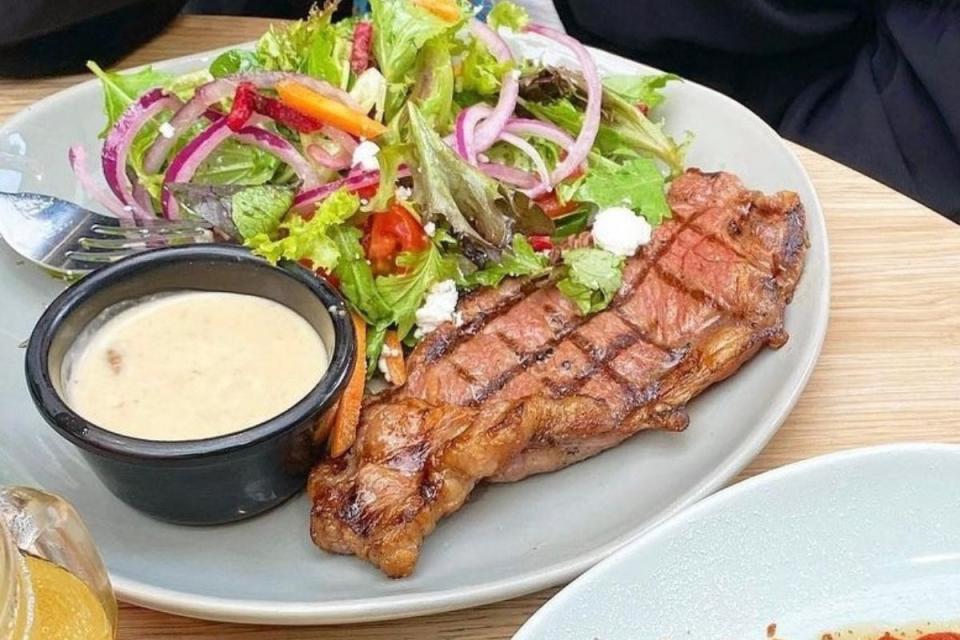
point(393, 358)
point(310, 103)
point(444, 9)
point(344, 431)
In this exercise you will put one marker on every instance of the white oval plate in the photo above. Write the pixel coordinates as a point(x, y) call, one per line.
point(510, 540)
point(867, 538)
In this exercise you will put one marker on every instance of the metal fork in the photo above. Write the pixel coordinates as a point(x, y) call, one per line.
point(70, 241)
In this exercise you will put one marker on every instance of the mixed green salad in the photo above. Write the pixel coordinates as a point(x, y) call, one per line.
point(405, 155)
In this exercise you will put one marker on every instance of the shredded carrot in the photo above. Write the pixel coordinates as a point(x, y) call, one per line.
point(444, 9)
point(344, 431)
point(393, 358)
point(310, 103)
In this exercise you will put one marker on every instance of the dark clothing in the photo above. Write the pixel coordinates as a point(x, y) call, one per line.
point(874, 85)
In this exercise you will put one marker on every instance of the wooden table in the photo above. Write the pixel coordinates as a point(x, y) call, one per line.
point(890, 369)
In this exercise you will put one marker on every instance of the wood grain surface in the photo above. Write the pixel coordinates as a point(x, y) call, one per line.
point(890, 369)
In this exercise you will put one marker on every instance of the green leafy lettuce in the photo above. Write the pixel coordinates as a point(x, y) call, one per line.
point(314, 45)
point(121, 89)
point(647, 90)
point(309, 239)
point(480, 71)
point(234, 61)
point(433, 89)
point(400, 30)
point(404, 293)
point(591, 278)
point(521, 260)
point(258, 210)
point(508, 14)
point(637, 184)
point(236, 163)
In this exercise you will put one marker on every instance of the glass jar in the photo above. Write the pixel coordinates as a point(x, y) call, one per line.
point(53, 583)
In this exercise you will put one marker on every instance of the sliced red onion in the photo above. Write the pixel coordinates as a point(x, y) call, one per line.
point(489, 37)
point(337, 162)
point(213, 92)
point(539, 129)
point(538, 163)
point(78, 162)
point(185, 164)
point(307, 199)
point(465, 131)
point(511, 175)
point(346, 141)
point(580, 149)
point(113, 158)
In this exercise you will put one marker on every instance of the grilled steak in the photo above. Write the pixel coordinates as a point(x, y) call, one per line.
point(527, 385)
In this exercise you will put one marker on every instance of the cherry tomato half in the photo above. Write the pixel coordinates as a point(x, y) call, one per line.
point(390, 233)
point(552, 206)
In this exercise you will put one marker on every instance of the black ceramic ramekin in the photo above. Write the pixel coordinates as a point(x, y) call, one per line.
point(214, 480)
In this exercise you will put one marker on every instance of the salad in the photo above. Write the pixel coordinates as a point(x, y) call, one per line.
point(407, 156)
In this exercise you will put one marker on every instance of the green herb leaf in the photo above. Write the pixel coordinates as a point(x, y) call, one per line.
point(592, 278)
point(120, 89)
point(643, 89)
point(356, 277)
point(309, 239)
point(637, 184)
point(522, 260)
point(508, 14)
point(404, 293)
point(233, 61)
point(258, 210)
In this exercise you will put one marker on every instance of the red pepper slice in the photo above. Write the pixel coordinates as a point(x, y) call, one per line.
point(540, 243)
point(360, 53)
point(390, 233)
point(247, 101)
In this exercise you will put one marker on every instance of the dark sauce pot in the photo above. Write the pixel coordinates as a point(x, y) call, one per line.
point(214, 480)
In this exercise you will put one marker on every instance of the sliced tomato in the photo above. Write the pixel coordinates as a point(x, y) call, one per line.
point(368, 192)
point(390, 233)
point(552, 206)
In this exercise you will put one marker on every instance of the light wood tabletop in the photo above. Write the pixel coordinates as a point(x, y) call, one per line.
point(890, 368)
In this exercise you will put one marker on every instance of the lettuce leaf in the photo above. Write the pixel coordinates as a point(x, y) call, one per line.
point(592, 278)
point(356, 277)
point(480, 71)
point(636, 184)
point(404, 293)
point(509, 15)
point(236, 163)
point(258, 210)
point(433, 89)
point(522, 260)
point(120, 89)
point(309, 239)
point(234, 61)
point(313, 45)
point(400, 30)
point(643, 89)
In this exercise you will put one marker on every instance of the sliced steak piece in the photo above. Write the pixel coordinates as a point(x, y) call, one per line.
point(527, 385)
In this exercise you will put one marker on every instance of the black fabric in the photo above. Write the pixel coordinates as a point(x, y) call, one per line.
point(45, 37)
point(874, 85)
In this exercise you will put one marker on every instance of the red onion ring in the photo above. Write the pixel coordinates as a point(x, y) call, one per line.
point(213, 92)
point(511, 175)
point(489, 130)
point(78, 162)
point(337, 162)
point(185, 164)
point(538, 163)
point(346, 141)
point(491, 40)
point(540, 129)
point(580, 149)
point(465, 131)
point(307, 199)
point(116, 147)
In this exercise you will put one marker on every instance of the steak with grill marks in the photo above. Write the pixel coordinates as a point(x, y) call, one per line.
point(527, 385)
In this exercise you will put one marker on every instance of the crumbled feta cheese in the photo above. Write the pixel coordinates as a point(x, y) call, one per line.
point(620, 231)
point(430, 229)
point(439, 306)
point(403, 193)
point(166, 130)
point(365, 156)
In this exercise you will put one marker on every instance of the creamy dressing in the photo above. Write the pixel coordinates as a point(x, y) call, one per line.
point(191, 365)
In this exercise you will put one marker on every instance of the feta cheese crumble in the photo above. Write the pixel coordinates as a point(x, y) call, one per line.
point(365, 156)
point(166, 130)
point(430, 229)
point(438, 307)
point(403, 193)
point(620, 231)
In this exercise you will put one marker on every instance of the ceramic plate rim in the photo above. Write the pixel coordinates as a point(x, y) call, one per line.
point(717, 501)
point(375, 608)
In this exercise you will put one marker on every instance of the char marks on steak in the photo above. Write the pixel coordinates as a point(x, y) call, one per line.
point(527, 385)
